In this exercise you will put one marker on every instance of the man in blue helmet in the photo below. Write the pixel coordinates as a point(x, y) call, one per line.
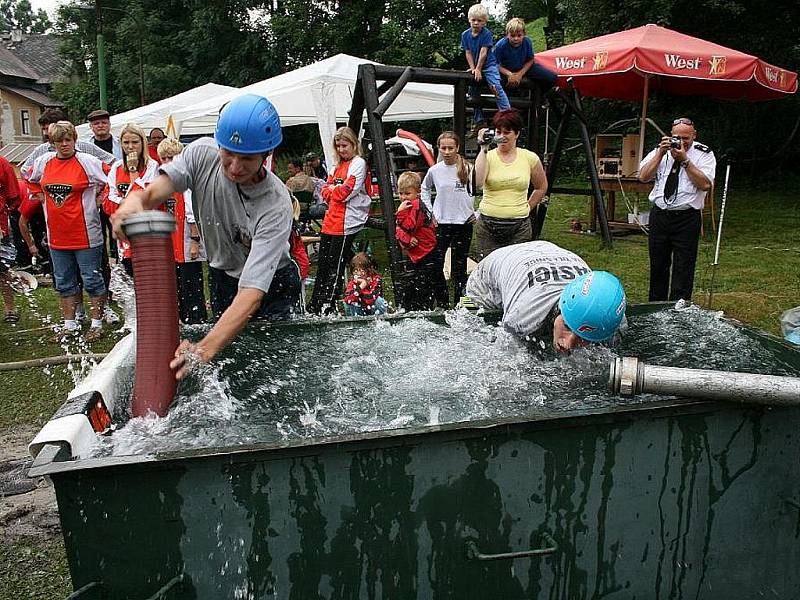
point(535, 282)
point(244, 213)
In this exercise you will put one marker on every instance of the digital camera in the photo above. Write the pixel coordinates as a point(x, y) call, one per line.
point(490, 137)
point(675, 142)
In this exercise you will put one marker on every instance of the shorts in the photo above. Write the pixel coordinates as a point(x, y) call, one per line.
point(68, 263)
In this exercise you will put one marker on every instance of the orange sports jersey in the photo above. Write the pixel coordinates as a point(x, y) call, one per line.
point(119, 180)
point(348, 202)
point(179, 205)
point(70, 187)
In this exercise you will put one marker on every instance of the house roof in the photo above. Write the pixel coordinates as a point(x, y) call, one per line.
point(39, 52)
point(17, 153)
point(32, 95)
point(12, 66)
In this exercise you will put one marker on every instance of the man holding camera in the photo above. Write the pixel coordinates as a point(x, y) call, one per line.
point(684, 171)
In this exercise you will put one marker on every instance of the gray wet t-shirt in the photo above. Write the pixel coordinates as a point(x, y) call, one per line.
point(525, 281)
point(245, 230)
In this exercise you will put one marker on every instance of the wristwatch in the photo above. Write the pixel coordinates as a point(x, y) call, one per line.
point(685, 164)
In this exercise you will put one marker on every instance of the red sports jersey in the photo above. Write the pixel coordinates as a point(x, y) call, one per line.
point(70, 187)
point(119, 180)
point(28, 207)
point(348, 202)
point(153, 152)
point(180, 206)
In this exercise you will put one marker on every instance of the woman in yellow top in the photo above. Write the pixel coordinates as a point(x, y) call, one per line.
point(506, 174)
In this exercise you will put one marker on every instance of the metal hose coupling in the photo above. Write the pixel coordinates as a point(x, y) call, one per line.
point(629, 376)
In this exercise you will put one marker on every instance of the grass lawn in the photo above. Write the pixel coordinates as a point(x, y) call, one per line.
point(758, 276)
point(757, 279)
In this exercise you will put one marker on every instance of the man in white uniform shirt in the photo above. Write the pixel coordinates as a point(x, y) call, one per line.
point(683, 174)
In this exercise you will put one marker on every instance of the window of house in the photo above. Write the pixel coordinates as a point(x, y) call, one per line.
point(25, 118)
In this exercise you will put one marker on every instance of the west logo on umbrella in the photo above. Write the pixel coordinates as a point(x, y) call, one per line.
point(562, 62)
point(600, 61)
point(717, 65)
point(775, 77)
point(676, 61)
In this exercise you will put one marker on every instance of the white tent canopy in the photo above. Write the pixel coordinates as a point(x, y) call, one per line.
point(157, 113)
point(320, 93)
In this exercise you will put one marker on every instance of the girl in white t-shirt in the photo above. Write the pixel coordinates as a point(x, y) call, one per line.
point(454, 210)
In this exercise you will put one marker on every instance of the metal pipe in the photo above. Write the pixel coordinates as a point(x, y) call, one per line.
point(719, 233)
point(628, 376)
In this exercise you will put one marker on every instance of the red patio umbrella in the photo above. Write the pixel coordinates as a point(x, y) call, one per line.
point(623, 65)
point(628, 64)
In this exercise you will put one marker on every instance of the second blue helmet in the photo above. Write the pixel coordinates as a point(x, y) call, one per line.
point(249, 124)
point(593, 306)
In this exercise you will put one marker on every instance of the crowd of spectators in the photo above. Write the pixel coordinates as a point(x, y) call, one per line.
point(58, 215)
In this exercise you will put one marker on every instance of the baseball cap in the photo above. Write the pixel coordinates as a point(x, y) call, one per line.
point(97, 114)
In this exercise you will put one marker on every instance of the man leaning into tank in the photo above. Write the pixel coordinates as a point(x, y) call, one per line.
point(244, 213)
point(537, 283)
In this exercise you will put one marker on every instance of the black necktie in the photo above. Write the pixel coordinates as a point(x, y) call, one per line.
point(671, 185)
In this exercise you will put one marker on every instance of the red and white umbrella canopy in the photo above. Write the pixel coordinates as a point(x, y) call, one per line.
point(617, 66)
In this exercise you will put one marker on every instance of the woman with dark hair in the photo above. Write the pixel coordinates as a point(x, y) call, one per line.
point(506, 174)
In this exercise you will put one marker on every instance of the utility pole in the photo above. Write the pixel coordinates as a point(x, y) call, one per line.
point(101, 56)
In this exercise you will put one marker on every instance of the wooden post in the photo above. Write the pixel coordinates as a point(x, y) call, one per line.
point(460, 111)
point(357, 107)
point(381, 166)
point(593, 176)
point(552, 167)
point(643, 125)
point(533, 120)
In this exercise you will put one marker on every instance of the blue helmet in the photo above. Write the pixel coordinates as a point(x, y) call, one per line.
point(249, 124)
point(593, 305)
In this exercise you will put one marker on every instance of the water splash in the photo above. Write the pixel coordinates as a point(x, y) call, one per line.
point(303, 382)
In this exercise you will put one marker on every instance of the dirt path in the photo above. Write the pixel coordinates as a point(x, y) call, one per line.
point(27, 506)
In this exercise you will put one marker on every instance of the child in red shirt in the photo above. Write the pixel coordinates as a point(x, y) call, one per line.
point(416, 234)
point(364, 293)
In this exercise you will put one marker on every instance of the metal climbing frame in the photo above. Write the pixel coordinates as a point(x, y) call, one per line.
point(367, 96)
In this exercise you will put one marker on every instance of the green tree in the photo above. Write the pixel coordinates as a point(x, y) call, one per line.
point(19, 14)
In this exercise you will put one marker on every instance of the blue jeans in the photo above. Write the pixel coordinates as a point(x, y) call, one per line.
point(67, 264)
point(280, 303)
point(356, 310)
point(492, 77)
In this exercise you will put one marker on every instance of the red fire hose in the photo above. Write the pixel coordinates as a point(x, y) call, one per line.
point(420, 144)
point(156, 310)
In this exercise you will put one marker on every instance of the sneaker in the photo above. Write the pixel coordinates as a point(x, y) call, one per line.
point(109, 316)
point(93, 334)
point(468, 303)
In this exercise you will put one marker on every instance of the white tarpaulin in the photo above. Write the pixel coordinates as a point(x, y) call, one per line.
point(157, 113)
point(321, 93)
